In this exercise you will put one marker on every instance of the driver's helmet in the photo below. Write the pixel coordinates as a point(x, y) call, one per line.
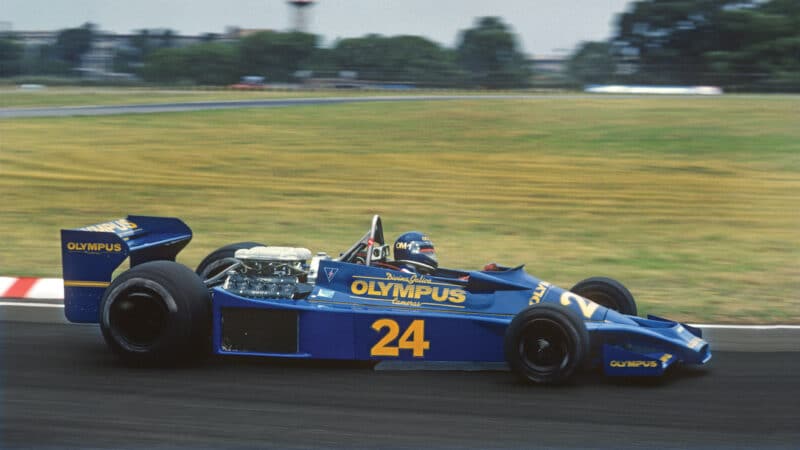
point(416, 250)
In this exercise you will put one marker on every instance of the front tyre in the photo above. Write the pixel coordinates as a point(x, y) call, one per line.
point(607, 292)
point(157, 313)
point(546, 343)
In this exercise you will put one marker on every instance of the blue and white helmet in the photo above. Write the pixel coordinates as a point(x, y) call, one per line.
point(416, 250)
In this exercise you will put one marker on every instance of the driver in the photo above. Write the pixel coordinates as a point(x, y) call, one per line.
point(414, 252)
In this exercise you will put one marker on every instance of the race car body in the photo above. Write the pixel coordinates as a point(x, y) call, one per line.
point(283, 302)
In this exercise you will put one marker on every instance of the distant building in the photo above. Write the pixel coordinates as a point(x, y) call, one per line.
point(548, 64)
point(35, 38)
point(236, 33)
point(98, 62)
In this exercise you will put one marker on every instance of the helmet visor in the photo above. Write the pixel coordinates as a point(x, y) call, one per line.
point(423, 248)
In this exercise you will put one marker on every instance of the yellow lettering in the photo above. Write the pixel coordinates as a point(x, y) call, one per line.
point(385, 288)
point(120, 225)
point(633, 364)
point(403, 290)
point(406, 303)
point(440, 294)
point(457, 296)
point(422, 290)
point(538, 293)
point(359, 287)
point(587, 307)
point(372, 290)
point(398, 291)
point(382, 347)
point(413, 338)
point(94, 247)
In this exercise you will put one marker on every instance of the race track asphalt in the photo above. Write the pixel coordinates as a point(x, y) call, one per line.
point(61, 388)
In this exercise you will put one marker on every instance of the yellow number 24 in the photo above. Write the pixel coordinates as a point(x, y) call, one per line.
point(412, 339)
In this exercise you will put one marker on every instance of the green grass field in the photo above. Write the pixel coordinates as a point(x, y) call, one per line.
point(694, 203)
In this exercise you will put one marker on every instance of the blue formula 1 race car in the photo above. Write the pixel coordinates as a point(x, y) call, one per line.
point(252, 299)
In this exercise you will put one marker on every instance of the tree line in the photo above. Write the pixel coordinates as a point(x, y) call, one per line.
point(487, 55)
point(740, 45)
point(736, 44)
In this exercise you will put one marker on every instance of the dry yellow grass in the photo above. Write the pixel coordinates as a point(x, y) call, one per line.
point(693, 203)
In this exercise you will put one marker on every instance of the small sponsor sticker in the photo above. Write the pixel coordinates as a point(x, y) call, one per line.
point(325, 293)
point(330, 272)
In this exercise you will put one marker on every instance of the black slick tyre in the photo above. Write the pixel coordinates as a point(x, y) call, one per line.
point(607, 292)
point(157, 313)
point(221, 259)
point(546, 344)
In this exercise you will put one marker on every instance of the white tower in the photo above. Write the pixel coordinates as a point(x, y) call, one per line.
point(300, 14)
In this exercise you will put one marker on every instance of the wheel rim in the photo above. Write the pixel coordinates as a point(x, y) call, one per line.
point(138, 317)
point(544, 347)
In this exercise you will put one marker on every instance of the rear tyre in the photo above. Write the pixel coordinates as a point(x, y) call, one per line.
point(221, 259)
point(157, 313)
point(607, 292)
point(546, 343)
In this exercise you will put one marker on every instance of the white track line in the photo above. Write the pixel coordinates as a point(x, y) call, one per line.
point(749, 327)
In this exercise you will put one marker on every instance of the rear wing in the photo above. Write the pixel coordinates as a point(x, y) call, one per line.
point(91, 254)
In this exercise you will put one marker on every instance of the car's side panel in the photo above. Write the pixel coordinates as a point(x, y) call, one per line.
point(329, 331)
point(325, 333)
point(329, 334)
point(497, 294)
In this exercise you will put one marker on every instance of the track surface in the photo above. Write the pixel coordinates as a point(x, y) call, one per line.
point(62, 388)
point(62, 111)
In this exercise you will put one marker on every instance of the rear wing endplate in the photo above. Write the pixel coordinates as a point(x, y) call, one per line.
point(91, 254)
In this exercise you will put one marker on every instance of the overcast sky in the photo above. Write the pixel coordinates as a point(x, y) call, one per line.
point(545, 27)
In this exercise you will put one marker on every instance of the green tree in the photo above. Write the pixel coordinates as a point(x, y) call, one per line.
point(130, 59)
point(667, 38)
point(275, 55)
point(72, 43)
point(127, 60)
point(729, 42)
point(321, 62)
point(761, 47)
point(142, 43)
point(397, 58)
point(10, 57)
point(491, 56)
point(205, 64)
point(43, 60)
point(592, 63)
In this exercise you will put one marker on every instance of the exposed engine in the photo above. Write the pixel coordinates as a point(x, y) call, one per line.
point(270, 272)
